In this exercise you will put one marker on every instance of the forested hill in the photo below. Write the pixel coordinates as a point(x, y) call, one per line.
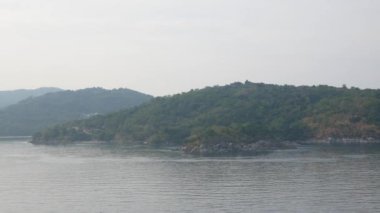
point(8, 98)
point(236, 113)
point(36, 113)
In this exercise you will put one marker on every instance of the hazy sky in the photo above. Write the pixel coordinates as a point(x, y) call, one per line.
point(169, 46)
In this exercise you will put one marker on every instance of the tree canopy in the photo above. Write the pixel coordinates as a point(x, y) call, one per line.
point(237, 113)
point(36, 113)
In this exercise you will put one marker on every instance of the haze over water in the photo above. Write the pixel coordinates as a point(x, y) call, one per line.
point(100, 178)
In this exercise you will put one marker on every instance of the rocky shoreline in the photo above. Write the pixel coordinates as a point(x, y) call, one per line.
point(263, 146)
point(254, 148)
point(225, 148)
point(341, 141)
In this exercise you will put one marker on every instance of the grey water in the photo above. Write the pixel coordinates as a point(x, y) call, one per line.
point(100, 178)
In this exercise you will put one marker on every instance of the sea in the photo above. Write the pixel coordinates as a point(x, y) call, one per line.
point(99, 177)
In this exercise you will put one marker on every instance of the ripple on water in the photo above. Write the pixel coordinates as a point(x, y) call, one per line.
point(92, 178)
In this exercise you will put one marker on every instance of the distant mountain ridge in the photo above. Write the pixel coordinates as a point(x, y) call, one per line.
point(10, 97)
point(234, 115)
point(34, 113)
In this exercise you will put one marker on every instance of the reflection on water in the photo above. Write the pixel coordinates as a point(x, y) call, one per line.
point(101, 178)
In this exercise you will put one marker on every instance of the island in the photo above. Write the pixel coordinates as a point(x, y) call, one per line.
point(236, 118)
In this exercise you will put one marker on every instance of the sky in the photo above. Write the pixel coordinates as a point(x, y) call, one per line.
point(163, 47)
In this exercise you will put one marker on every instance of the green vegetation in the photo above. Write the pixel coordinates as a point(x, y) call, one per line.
point(8, 98)
point(237, 113)
point(36, 113)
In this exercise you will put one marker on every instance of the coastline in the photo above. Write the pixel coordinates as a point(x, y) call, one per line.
point(233, 148)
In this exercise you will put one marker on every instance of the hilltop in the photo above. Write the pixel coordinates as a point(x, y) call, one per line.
point(35, 113)
point(233, 117)
point(8, 98)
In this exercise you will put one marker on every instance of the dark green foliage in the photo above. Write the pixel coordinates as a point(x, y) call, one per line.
point(240, 113)
point(8, 98)
point(34, 114)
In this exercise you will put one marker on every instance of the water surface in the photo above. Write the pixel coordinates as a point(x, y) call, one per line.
point(100, 178)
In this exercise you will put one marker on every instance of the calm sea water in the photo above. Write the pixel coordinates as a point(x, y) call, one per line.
point(100, 178)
